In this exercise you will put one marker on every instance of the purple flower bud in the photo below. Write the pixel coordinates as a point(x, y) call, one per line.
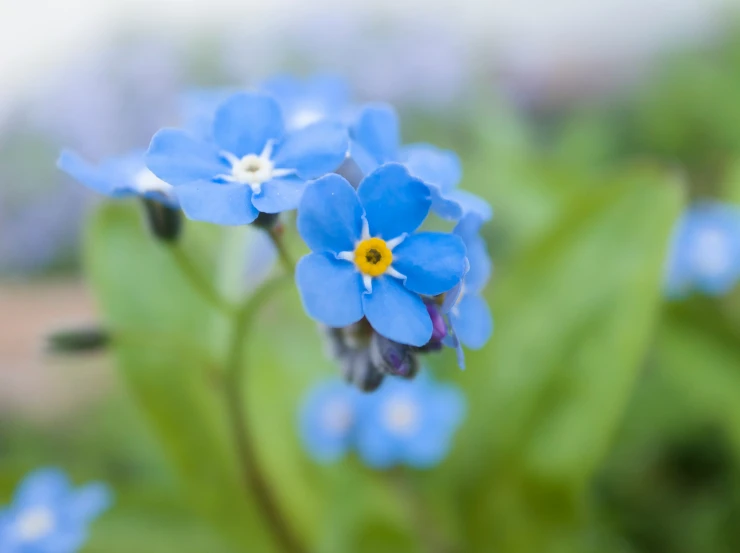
point(439, 327)
point(393, 358)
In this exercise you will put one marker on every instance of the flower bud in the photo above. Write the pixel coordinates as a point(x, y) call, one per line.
point(164, 222)
point(393, 358)
point(80, 340)
point(358, 370)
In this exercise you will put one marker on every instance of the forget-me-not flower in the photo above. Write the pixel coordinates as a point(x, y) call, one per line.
point(250, 166)
point(310, 100)
point(327, 420)
point(705, 250)
point(409, 422)
point(375, 139)
point(467, 311)
point(367, 261)
point(119, 177)
point(48, 515)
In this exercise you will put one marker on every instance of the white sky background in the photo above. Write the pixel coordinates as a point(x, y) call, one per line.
point(37, 34)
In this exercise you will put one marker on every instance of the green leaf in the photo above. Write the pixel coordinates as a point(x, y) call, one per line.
point(167, 348)
point(574, 313)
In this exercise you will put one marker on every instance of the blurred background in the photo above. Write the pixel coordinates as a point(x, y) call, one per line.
point(548, 103)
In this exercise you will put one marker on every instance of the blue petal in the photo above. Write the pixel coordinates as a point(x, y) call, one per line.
point(443, 206)
point(376, 448)
point(88, 502)
point(108, 178)
point(279, 195)
point(308, 101)
point(395, 203)
point(330, 215)
point(362, 158)
point(178, 158)
point(472, 321)
point(331, 289)
point(376, 130)
point(480, 262)
point(314, 150)
point(45, 486)
point(246, 122)
point(198, 109)
point(470, 203)
point(432, 262)
point(324, 441)
point(397, 313)
point(432, 165)
point(222, 204)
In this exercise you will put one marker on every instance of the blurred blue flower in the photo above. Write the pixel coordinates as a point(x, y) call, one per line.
point(327, 420)
point(409, 422)
point(49, 516)
point(119, 177)
point(366, 262)
point(376, 140)
point(198, 107)
point(308, 101)
point(705, 250)
point(406, 422)
point(252, 165)
point(467, 311)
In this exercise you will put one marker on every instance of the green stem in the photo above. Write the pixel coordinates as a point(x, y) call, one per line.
point(244, 441)
point(283, 252)
point(426, 528)
point(204, 287)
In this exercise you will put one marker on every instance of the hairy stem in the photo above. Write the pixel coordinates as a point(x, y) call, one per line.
point(255, 480)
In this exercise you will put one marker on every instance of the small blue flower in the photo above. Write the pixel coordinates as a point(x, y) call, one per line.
point(308, 101)
point(705, 250)
point(408, 422)
point(49, 516)
point(375, 139)
point(366, 262)
point(252, 165)
point(327, 420)
point(119, 177)
point(467, 311)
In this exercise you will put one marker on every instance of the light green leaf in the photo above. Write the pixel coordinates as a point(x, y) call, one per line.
point(574, 316)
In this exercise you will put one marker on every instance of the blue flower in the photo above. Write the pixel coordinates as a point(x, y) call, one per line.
point(49, 516)
point(375, 139)
point(119, 177)
point(327, 420)
point(198, 107)
point(705, 250)
point(408, 422)
point(308, 101)
point(366, 262)
point(468, 313)
point(252, 165)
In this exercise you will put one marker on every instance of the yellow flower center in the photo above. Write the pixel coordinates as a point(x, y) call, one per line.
point(373, 256)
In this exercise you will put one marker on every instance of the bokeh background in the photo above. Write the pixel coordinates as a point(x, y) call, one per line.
point(604, 416)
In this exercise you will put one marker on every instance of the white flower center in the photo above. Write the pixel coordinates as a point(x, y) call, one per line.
point(401, 416)
point(712, 252)
point(337, 417)
point(254, 170)
point(35, 524)
point(145, 181)
point(305, 117)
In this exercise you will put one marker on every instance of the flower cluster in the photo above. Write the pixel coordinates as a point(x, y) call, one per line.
point(372, 277)
point(405, 423)
point(705, 251)
point(49, 516)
